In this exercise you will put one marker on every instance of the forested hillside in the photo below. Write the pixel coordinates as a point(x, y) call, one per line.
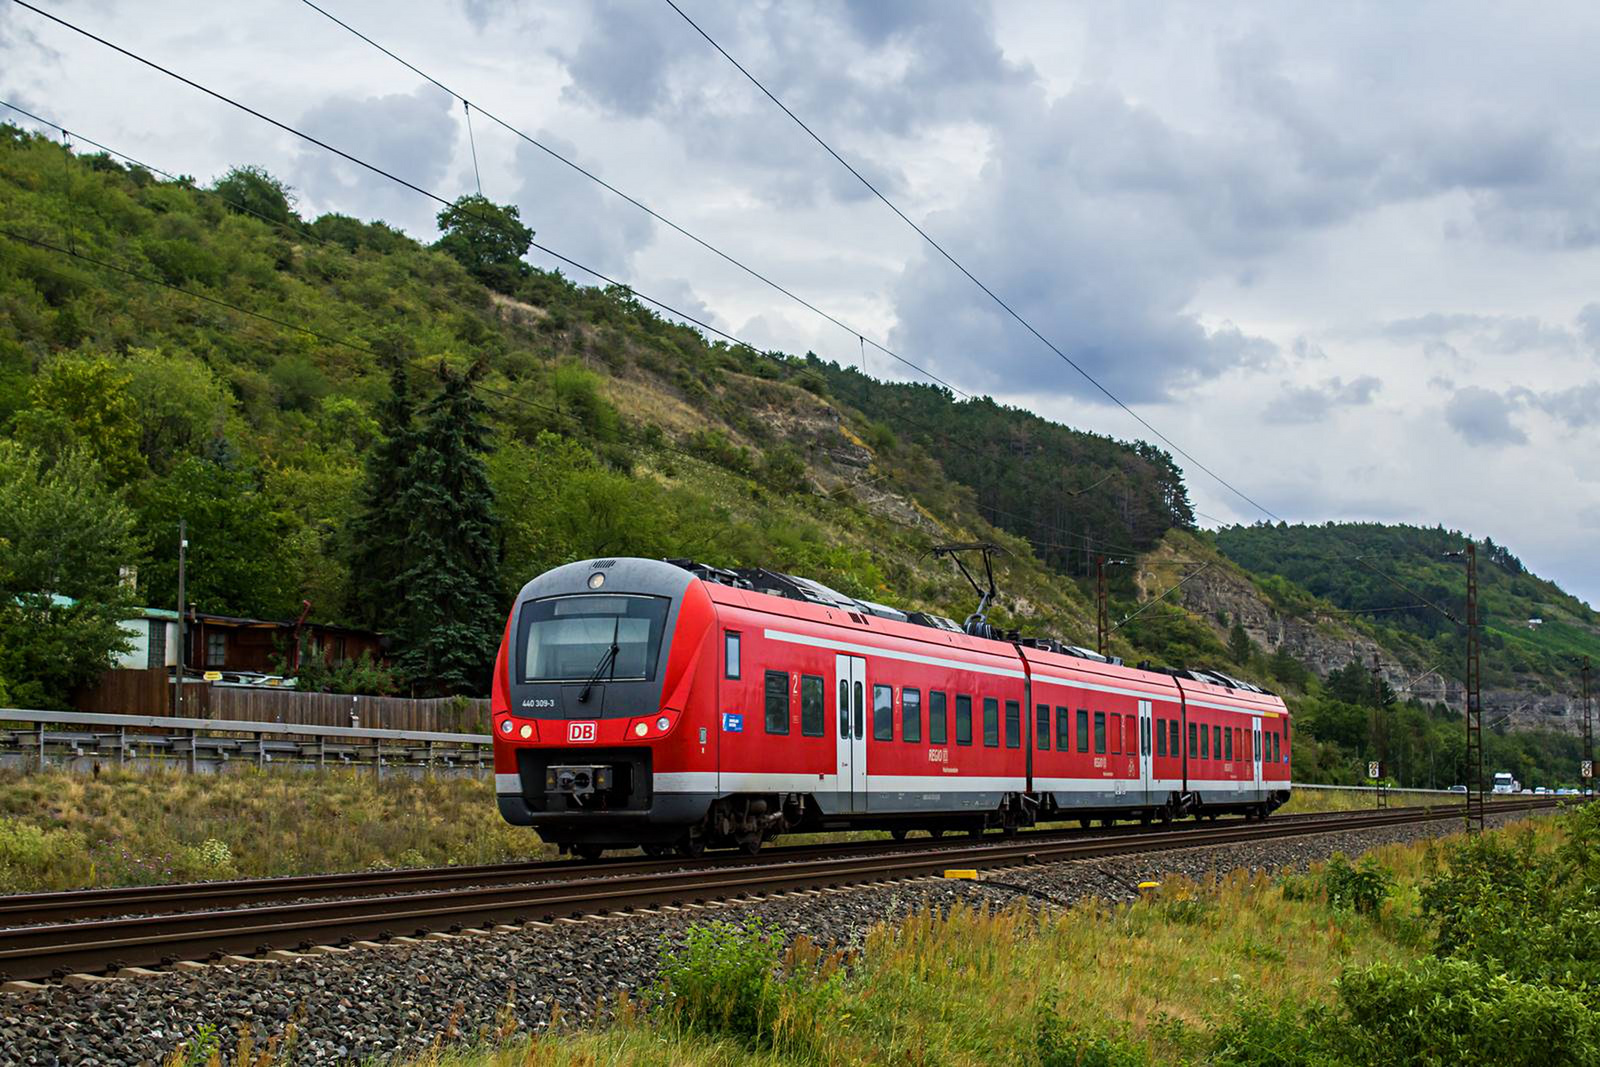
point(1397, 578)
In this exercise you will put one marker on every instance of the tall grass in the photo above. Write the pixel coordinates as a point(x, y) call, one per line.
point(60, 830)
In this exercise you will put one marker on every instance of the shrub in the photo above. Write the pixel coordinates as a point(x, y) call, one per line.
point(1362, 888)
point(737, 980)
point(31, 856)
point(1059, 1043)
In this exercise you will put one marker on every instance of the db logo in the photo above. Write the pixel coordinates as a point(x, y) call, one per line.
point(579, 733)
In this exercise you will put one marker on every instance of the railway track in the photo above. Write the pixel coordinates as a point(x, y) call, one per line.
point(423, 906)
point(33, 909)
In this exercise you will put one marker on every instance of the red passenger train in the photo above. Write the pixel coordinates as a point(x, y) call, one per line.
point(668, 705)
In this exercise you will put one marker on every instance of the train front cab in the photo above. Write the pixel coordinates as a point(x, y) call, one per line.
point(599, 739)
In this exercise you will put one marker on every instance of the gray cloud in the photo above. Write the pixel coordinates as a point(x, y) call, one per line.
point(1589, 326)
point(1308, 404)
point(1577, 406)
point(575, 216)
point(411, 135)
point(1483, 417)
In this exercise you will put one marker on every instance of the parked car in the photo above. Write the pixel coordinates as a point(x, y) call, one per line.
point(1458, 789)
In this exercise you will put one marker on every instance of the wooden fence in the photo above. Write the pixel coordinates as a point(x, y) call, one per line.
point(149, 692)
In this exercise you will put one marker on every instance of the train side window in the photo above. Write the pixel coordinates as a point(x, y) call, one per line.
point(1063, 730)
point(1194, 749)
point(1116, 733)
point(1277, 751)
point(844, 708)
point(1013, 724)
point(1238, 742)
point(1205, 741)
point(1100, 732)
point(1172, 728)
point(777, 702)
point(1161, 737)
point(911, 715)
point(1041, 727)
point(1083, 730)
point(883, 713)
point(991, 722)
point(856, 711)
point(730, 649)
point(811, 713)
point(1216, 741)
point(963, 720)
point(937, 726)
point(1227, 737)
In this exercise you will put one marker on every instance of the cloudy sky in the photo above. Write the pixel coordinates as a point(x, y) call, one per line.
point(1347, 255)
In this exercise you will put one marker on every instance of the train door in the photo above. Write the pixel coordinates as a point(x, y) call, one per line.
point(1146, 750)
point(852, 744)
point(1256, 763)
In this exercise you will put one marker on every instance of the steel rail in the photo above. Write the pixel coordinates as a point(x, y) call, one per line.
point(32, 909)
point(93, 945)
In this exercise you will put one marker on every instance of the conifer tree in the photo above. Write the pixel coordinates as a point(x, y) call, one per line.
point(379, 535)
point(449, 624)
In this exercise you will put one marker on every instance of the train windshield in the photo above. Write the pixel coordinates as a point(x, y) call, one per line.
point(570, 638)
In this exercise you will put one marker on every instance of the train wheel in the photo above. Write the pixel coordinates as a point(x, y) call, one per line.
point(692, 844)
point(936, 833)
point(588, 852)
point(656, 850)
point(898, 834)
point(1166, 815)
point(976, 831)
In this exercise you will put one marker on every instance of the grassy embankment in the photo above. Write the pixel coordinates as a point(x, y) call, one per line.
point(63, 830)
point(1330, 967)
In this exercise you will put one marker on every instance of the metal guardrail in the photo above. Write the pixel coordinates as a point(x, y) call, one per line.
point(79, 735)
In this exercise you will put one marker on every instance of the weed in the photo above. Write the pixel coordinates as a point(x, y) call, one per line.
point(1362, 888)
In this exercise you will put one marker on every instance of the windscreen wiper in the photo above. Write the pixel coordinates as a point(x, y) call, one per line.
point(609, 659)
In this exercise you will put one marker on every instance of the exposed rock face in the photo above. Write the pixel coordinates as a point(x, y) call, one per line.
point(1327, 645)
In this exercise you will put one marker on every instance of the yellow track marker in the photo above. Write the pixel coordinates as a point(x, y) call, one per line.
point(968, 874)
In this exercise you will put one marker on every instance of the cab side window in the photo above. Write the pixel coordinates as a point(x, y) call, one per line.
point(730, 653)
point(777, 688)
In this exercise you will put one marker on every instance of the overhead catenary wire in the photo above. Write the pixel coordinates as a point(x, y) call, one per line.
point(1090, 378)
point(420, 190)
point(642, 206)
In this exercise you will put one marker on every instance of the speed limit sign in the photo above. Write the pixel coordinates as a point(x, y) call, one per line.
point(1373, 770)
point(1588, 769)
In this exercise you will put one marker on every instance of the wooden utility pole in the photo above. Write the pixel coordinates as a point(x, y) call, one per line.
point(1102, 631)
point(1474, 701)
point(177, 671)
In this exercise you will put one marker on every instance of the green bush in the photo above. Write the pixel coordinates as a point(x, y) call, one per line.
point(735, 980)
point(1454, 1011)
point(1059, 1043)
point(32, 856)
point(1361, 888)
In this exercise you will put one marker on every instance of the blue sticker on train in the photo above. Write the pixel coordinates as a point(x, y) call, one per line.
point(732, 723)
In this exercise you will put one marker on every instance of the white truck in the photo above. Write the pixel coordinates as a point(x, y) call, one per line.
point(1504, 783)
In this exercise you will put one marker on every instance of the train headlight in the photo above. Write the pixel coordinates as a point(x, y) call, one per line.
point(526, 731)
point(663, 722)
point(641, 729)
point(505, 726)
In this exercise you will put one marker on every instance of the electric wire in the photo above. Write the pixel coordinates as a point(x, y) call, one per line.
point(647, 209)
point(1091, 379)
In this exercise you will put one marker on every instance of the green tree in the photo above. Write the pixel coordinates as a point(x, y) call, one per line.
point(179, 403)
point(449, 624)
point(250, 190)
point(488, 239)
point(1287, 669)
point(380, 534)
point(82, 401)
point(64, 539)
point(1239, 644)
point(239, 561)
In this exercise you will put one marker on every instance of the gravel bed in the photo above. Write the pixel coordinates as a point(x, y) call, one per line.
point(374, 1003)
